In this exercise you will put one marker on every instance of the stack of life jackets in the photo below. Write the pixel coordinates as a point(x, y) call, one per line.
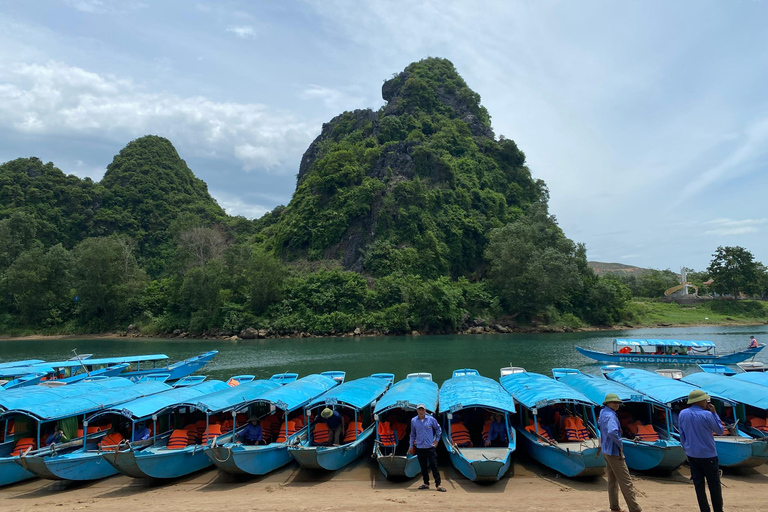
point(179, 439)
point(575, 429)
point(110, 441)
point(643, 432)
point(387, 436)
point(214, 430)
point(354, 430)
point(758, 423)
point(460, 435)
point(292, 429)
point(399, 428)
point(191, 431)
point(321, 434)
point(22, 445)
point(536, 429)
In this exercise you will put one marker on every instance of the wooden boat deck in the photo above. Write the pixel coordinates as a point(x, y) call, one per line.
point(483, 453)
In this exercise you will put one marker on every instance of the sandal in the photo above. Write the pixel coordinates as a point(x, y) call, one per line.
point(441, 489)
point(422, 486)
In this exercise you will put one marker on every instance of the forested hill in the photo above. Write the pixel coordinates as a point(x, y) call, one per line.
point(414, 217)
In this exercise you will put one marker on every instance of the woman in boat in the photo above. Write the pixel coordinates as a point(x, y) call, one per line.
point(252, 434)
point(497, 433)
point(753, 342)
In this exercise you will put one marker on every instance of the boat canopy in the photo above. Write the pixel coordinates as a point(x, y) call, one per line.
point(737, 391)
point(596, 388)
point(356, 393)
point(471, 390)
point(233, 397)
point(661, 342)
point(14, 399)
point(755, 377)
point(663, 389)
point(152, 404)
point(91, 401)
point(409, 393)
point(536, 390)
point(299, 392)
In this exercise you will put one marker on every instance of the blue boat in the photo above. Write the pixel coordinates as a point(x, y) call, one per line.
point(752, 408)
point(467, 402)
point(393, 414)
point(661, 454)
point(662, 351)
point(19, 426)
point(287, 403)
point(197, 423)
point(37, 411)
point(117, 427)
point(719, 369)
point(12, 379)
point(545, 407)
point(753, 377)
point(354, 401)
point(736, 451)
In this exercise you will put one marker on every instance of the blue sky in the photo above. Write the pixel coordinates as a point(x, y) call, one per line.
point(648, 120)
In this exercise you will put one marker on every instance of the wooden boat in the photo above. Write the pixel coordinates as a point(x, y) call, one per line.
point(544, 406)
point(36, 412)
point(117, 426)
point(751, 409)
point(355, 401)
point(467, 401)
point(735, 450)
point(662, 351)
point(201, 420)
point(753, 366)
point(392, 415)
point(661, 454)
point(286, 402)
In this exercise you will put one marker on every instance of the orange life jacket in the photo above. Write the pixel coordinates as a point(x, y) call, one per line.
point(575, 429)
point(759, 423)
point(321, 434)
point(22, 445)
point(291, 426)
point(110, 441)
point(354, 430)
point(647, 433)
point(486, 430)
point(179, 439)
point(270, 426)
point(460, 435)
point(537, 430)
point(386, 434)
point(625, 350)
point(400, 429)
point(299, 420)
point(200, 428)
point(227, 425)
point(214, 430)
point(191, 431)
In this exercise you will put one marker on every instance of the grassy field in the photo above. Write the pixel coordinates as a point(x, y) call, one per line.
point(716, 312)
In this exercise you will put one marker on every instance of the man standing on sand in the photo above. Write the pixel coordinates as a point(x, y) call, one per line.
point(696, 425)
point(425, 434)
point(613, 454)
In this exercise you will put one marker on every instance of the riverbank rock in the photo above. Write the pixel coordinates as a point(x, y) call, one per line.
point(263, 333)
point(249, 333)
point(357, 331)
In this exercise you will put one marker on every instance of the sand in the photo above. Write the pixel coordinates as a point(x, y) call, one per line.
point(362, 487)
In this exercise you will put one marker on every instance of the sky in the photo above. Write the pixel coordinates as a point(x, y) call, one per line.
point(648, 120)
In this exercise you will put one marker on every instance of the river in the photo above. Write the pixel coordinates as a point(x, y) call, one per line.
point(361, 356)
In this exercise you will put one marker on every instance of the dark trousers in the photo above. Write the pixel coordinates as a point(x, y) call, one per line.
point(428, 460)
point(708, 469)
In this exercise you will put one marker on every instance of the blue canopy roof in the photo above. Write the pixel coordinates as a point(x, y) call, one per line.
point(90, 401)
point(298, 393)
point(356, 393)
point(536, 390)
point(596, 388)
point(414, 391)
point(474, 391)
point(737, 391)
point(14, 399)
point(666, 343)
point(754, 377)
point(152, 404)
point(233, 397)
point(663, 389)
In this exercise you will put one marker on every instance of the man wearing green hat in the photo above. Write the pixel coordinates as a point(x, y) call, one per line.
point(613, 454)
point(335, 424)
point(697, 424)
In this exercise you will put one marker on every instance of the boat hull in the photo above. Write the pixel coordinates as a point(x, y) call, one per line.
point(568, 463)
point(77, 466)
point(249, 460)
point(398, 466)
point(12, 472)
point(476, 465)
point(158, 463)
point(660, 456)
point(332, 458)
point(606, 357)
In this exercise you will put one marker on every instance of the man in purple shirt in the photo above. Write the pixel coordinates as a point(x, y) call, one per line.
point(425, 434)
point(613, 454)
point(697, 425)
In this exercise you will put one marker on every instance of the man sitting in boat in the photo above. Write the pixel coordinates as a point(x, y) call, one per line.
point(753, 342)
point(497, 433)
point(141, 433)
point(252, 434)
point(57, 436)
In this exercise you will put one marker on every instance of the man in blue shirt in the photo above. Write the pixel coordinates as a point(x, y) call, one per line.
point(613, 454)
point(697, 424)
point(497, 432)
point(141, 433)
point(252, 434)
point(425, 434)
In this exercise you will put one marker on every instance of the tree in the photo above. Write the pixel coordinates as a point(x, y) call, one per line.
point(734, 271)
point(203, 245)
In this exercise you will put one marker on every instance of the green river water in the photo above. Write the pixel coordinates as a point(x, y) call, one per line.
point(359, 357)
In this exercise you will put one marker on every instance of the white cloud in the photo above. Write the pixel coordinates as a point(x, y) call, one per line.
point(58, 99)
point(243, 31)
point(235, 205)
point(104, 6)
point(725, 227)
point(333, 99)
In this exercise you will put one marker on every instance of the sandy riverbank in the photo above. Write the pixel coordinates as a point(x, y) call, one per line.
point(361, 487)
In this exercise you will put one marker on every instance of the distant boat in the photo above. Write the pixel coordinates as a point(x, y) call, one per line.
point(663, 351)
point(652, 447)
point(393, 415)
point(467, 401)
